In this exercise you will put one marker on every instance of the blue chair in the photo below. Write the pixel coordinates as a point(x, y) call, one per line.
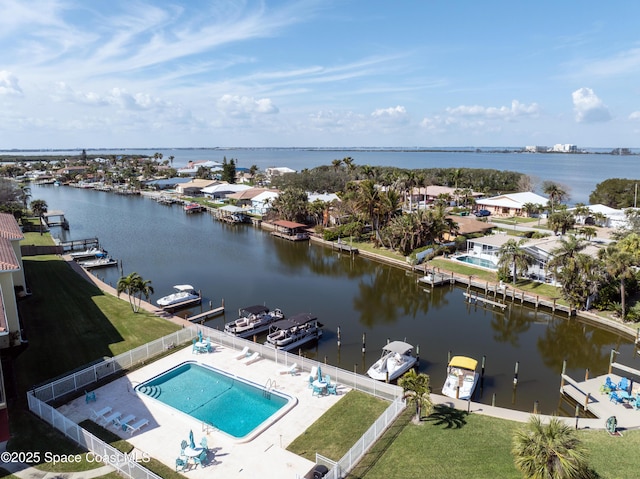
point(317, 390)
point(623, 385)
point(203, 444)
point(183, 446)
point(199, 460)
point(613, 397)
point(332, 389)
point(194, 348)
point(89, 396)
point(636, 402)
point(181, 464)
point(608, 384)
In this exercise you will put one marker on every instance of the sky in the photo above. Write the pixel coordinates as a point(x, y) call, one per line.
point(318, 73)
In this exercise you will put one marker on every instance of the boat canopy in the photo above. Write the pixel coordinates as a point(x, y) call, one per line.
point(296, 320)
point(463, 362)
point(183, 287)
point(399, 347)
point(257, 309)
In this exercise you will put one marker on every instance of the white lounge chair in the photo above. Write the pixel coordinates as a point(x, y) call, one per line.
point(136, 426)
point(110, 418)
point(252, 359)
point(122, 423)
point(98, 416)
point(293, 369)
point(243, 354)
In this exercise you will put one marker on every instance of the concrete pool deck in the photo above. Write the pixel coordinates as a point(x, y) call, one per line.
point(265, 456)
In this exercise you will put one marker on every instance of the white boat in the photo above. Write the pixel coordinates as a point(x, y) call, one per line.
point(185, 295)
point(292, 333)
point(396, 359)
point(89, 253)
point(253, 320)
point(99, 263)
point(461, 377)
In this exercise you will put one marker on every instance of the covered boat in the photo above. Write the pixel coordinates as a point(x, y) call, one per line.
point(396, 359)
point(461, 377)
point(292, 333)
point(185, 295)
point(253, 320)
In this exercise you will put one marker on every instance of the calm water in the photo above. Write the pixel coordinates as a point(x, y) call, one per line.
point(579, 172)
point(244, 266)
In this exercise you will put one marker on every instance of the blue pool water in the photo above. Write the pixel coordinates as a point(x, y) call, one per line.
point(484, 263)
point(227, 403)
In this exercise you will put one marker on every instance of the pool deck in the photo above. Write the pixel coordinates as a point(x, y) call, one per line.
point(264, 457)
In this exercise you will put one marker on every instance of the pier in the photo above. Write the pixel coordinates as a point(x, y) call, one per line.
point(475, 298)
point(436, 279)
point(74, 245)
point(340, 246)
point(56, 218)
point(197, 318)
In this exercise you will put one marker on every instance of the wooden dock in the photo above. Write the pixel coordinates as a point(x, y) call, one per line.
point(340, 246)
point(475, 298)
point(435, 279)
point(196, 318)
point(75, 245)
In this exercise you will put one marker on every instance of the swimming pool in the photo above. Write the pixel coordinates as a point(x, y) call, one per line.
point(231, 404)
point(483, 263)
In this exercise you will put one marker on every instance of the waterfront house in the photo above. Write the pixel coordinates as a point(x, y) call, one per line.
point(221, 190)
point(245, 197)
point(511, 204)
point(193, 166)
point(261, 203)
point(279, 171)
point(602, 215)
point(194, 187)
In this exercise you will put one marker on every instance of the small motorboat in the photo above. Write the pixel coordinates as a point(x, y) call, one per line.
point(94, 252)
point(99, 262)
point(185, 295)
point(396, 359)
point(461, 378)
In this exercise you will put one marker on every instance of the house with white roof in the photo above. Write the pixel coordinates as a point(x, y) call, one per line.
point(222, 190)
point(261, 203)
point(603, 215)
point(278, 171)
point(325, 197)
point(510, 204)
point(192, 167)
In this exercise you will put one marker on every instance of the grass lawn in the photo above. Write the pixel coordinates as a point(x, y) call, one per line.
point(69, 322)
point(340, 427)
point(37, 239)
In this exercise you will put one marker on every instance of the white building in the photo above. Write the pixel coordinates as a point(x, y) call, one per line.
point(511, 204)
point(564, 148)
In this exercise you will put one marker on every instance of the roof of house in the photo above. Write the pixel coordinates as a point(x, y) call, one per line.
point(326, 197)
point(247, 194)
point(469, 224)
point(266, 195)
point(513, 200)
point(225, 188)
point(289, 224)
point(198, 183)
point(9, 228)
point(435, 190)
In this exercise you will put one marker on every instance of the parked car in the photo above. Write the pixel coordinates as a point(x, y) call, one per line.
point(482, 213)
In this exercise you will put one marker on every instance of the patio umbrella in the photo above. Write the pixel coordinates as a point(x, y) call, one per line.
point(199, 336)
point(319, 373)
point(192, 443)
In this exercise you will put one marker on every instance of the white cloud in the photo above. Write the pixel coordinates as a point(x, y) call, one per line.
point(244, 106)
point(516, 110)
point(588, 107)
point(396, 114)
point(634, 116)
point(118, 97)
point(9, 84)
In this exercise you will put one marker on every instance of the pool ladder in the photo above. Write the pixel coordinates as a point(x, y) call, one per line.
point(268, 386)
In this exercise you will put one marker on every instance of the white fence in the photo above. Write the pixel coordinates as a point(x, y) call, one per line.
point(83, 379)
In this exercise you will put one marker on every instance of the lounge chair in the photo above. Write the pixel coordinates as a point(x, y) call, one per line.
point(122, 423)
point(111, 418)
point(252, 359)
point(98, 416)
point(243, 354)
point(293, 369)
point(136, 426)
point(89, 396)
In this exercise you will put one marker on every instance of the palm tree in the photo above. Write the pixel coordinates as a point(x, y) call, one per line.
point(39, 208)
point(549, 451)
point(336, 164)
point(416, 390)
point(618, 265)
point(512, 255)
point(556, 193)
point(135, 287)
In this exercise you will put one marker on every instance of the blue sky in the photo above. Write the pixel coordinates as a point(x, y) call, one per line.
point(127, 74)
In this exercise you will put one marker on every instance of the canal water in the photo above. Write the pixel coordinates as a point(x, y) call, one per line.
point(243, 265)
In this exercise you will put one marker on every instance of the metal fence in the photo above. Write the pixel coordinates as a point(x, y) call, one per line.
point(78, 381)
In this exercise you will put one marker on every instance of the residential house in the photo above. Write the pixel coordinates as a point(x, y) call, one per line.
point(425, 195)
point(245, 197)
point(194, 187)
point(193, 166)
point(279, 171)
point(602, 215)
point(261, 203)
point(510, 204)
point(469, 225)
point(221, 190)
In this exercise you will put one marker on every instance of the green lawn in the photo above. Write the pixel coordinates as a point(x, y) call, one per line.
point(37, 239)
point(71, 320)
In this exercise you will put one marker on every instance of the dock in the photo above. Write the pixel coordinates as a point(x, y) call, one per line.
point(81, 244)
point(196, 318)
point(340, 246)
point(475, 298)
point(435, 279)
point(56, 218)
